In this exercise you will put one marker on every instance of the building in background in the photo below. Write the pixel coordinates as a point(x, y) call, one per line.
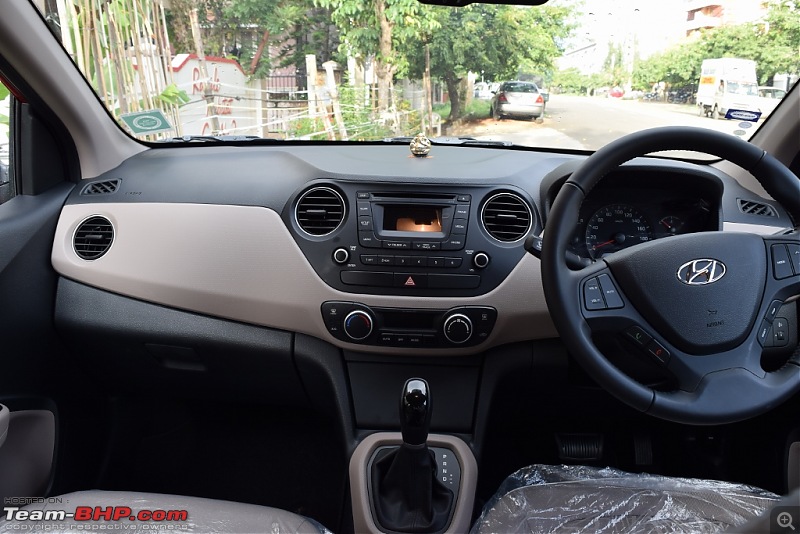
point(707, 14)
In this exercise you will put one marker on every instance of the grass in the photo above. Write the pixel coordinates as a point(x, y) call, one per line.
point(476, 110)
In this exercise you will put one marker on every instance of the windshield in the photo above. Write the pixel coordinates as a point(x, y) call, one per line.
point(361, 70)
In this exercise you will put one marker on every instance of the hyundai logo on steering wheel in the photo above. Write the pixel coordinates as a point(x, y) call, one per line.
point(701, 272)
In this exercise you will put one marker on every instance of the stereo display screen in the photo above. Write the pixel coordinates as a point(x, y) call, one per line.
point(412, 218)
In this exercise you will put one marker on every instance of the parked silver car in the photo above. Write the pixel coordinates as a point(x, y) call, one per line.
point(518, 99)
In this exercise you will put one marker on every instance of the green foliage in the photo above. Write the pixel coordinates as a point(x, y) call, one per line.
point(4, 92)
point(475, 110)
point(774, 44)
point(173, 95)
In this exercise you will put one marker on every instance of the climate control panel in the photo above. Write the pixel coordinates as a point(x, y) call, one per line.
point(462, 326)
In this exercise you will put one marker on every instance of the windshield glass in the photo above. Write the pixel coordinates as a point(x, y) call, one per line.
point(370, 69)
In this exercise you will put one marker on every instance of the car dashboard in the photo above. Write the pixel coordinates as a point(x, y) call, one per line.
point(366, 246)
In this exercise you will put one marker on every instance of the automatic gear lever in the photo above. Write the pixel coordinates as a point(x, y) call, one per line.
point(406, 494)
point(415, 412)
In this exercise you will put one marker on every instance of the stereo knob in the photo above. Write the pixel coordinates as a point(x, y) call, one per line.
point(480, 260)
point(457, 328)
point(358, 325)
point(340, 255)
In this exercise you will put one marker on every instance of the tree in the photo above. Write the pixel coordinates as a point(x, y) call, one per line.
point(379, 28)
point(497, 40)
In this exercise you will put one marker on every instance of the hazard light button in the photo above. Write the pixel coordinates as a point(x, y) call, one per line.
point(410, 280)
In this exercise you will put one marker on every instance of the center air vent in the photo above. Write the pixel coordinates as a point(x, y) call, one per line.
point(756, 208)
point(506, 217)
point(320, 211)
point(93, 238)
point(101, 188)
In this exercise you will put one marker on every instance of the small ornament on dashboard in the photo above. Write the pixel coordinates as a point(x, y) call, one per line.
point(420, 146)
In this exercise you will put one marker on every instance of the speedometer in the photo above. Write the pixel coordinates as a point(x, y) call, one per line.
point(615, 227)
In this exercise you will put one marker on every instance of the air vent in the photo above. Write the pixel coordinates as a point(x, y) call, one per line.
point(106, 187)
point(320, 211)
point(93, 238)
point(756, 208)
point(507, 217)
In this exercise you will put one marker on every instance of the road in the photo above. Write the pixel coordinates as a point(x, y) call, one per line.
point(587, 123)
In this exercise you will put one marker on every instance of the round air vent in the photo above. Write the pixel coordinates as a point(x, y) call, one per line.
point(319, 211)
point(506, 217)
point(93, 238)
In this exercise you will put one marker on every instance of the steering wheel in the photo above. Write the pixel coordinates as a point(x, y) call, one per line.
point(700, 305)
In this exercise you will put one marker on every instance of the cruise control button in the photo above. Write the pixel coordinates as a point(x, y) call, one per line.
point(613, 300)
point(794, 257)
point(638, 336)
point(658, 351)
point(781, 266)
point(593, 295)
point(410, 280)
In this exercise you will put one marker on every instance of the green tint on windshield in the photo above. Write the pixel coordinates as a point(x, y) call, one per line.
point(370, 69)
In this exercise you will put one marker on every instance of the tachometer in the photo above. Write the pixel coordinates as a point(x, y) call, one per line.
point(615, 227)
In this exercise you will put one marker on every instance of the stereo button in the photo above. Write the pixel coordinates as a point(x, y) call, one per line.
point(459, 227)
point(364, 209)
point(426, 246)
point(436, 262)
point(463, 198)
point(369, 259)
point(397, 245)
point(365, 222)
point(462, 211)
point(385, 260)
point(452, 263)
point(454, 243)
point(367, 239)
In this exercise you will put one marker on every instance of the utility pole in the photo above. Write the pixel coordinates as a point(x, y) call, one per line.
point(201, 61)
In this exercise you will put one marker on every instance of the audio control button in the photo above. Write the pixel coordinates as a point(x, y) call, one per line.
point(421, 245)
point(459, 227)
point(369, 259)
point(462, 211)
point(435, 262)
point(341, 255)
point(480, 260)
point(454, 243)
point(452, 263)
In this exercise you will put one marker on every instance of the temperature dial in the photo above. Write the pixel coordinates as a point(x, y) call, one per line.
point(457, 328)
point(358, 325)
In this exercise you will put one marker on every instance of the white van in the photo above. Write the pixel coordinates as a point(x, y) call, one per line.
point(728, 84)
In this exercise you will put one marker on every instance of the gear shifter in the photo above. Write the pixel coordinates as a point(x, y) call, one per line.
point(415, 412)
point(406, 493)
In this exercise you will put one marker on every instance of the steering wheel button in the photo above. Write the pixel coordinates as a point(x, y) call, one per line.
point(773, 309)
point(593, 295)
point(781, 265)
point(794, 257)
point(763, 332)
point(613, 300)
point(638, 336)
point(658, 351)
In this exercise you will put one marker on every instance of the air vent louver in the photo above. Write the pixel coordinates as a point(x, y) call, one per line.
point(93, 238)
point(506, 217)
point(105, 187)
point(756, 208)
point(320, 211)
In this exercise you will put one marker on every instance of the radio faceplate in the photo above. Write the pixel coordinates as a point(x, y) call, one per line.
point(427, 241)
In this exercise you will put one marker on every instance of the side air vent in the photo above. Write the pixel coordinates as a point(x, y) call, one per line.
point(506, 217)
point(106, 187)
point(319, 211)
point(93, 238)
point(756, 208)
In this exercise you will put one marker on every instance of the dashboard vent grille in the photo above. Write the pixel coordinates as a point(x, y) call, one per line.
point(756, 208)
point(506, 217)
point(93, 238)
point(105, 187)
point(320, 211)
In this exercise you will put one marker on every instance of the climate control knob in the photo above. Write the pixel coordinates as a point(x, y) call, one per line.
point(358, 325)
point(480, 260)
point(457, 328)
point(340, 255)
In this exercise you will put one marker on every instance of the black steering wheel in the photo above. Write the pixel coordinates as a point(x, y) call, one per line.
point(700, 304)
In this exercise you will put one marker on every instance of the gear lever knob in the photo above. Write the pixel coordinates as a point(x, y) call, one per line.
point(415, 411)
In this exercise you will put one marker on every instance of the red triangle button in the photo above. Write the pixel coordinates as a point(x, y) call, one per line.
point(410, 282)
